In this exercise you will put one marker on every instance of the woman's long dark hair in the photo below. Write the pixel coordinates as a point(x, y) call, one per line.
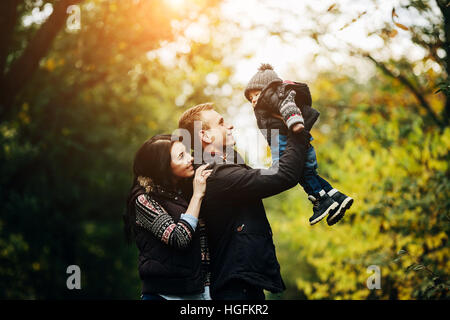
point(152, 160)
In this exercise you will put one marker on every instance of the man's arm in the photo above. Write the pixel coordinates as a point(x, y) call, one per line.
point(234, 182)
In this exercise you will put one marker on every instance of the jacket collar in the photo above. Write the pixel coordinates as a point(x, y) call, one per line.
point(264, 90)
point(233, 157)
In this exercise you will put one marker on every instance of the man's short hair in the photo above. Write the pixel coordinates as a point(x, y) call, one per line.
point(193, 114)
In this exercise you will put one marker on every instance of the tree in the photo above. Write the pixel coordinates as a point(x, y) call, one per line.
point(433, 36)
point(79, 105)
point(15, 75)
point(385, 141)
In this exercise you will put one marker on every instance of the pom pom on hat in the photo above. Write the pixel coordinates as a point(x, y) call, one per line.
point(265, 66)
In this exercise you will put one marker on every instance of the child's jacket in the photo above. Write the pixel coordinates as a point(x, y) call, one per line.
point(269, 104)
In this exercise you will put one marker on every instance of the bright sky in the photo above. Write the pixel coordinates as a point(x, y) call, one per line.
point(292, 15)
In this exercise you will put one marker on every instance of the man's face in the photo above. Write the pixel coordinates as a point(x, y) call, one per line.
point(218, 132)
point(254, 95)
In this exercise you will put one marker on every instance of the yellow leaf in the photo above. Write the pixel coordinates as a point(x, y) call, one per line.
point(401, 26)
point(393, 33)
point(23, 116)
point(50, 65)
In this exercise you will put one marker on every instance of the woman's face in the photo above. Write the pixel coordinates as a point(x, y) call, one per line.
point(181, 162)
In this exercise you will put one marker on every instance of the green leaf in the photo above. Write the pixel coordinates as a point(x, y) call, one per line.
point(410, 267)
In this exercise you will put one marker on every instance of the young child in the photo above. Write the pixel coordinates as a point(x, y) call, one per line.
point(286, 105)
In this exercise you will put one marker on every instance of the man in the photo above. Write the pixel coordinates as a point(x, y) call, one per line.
point(243, 259)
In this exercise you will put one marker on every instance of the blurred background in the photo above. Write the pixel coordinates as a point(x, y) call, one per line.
point(84, 83)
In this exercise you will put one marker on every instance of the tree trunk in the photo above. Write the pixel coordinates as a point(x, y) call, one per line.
point(8, 20)
point(25, 66)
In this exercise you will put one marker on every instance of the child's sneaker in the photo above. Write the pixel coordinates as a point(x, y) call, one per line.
point(345, 202)
point(322, 205)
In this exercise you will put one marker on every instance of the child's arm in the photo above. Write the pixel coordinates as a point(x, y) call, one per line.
point(291, 114)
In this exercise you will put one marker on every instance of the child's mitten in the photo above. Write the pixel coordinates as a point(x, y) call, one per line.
point(291, 113)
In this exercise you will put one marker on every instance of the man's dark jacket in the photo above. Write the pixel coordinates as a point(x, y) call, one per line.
point(269, 104)
point(239, 234)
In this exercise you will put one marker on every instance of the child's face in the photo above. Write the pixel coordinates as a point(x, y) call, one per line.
point(254, 95)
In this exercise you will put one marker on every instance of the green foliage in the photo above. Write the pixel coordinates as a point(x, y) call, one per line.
point(67, 145)
point(444, 87)
point(67, 148)
point(395, 166)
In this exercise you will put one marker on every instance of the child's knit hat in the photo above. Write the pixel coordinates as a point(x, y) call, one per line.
point(262, 78)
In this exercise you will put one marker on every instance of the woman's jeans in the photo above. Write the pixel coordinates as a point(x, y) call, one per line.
point(154, 297)
point(311, 182)
point(205, 295)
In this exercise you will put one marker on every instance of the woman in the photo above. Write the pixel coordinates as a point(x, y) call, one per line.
point(163, 223)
